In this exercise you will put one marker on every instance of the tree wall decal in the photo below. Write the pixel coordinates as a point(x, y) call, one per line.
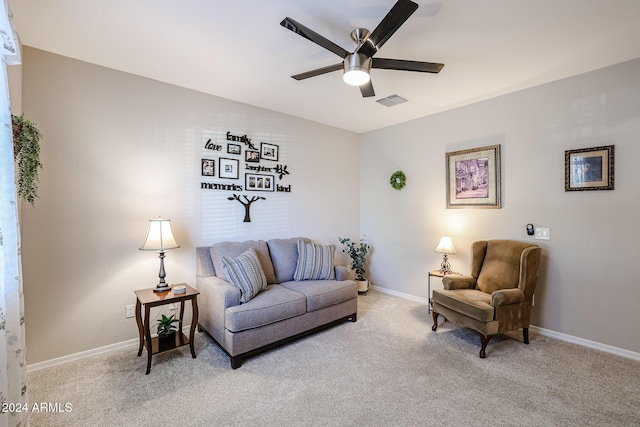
point(246, 203)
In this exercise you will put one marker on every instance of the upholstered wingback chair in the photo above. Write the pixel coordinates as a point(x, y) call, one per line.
point(496, 297)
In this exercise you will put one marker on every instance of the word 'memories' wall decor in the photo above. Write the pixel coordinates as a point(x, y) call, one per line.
point(221, 169)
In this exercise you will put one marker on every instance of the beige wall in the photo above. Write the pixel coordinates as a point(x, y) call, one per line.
point(588, 287)
point(119, 150)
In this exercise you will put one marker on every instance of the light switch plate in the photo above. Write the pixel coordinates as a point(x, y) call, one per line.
point(543, 234)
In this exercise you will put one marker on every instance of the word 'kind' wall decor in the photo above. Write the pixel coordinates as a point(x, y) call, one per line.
point(240, 165)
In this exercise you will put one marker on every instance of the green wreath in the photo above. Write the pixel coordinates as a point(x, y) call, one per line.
point(398, 180)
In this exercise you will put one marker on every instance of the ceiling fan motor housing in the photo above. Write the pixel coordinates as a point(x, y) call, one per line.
point(356, 69)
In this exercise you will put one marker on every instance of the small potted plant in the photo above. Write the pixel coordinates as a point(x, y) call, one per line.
point(358, 253)
point(166, 327)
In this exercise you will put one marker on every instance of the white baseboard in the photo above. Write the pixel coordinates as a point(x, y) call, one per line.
point(586, 343)
point(83, 354)
point(399, 294)
point(90, 353)
point(541, 331)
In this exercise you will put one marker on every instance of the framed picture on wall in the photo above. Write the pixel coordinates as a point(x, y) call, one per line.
point(228, 168)
point(252, 156)
point(233, 149)
point(208, 167)
point(256, 182)
point(268, 151)
point(473, 178)
point(589, 169)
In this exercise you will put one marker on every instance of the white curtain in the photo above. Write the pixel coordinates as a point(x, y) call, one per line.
point(13, 369)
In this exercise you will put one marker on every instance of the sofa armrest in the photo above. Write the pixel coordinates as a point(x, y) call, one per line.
point(216, 295)
point(341, 273)
point(458, 282)
point(506, 297)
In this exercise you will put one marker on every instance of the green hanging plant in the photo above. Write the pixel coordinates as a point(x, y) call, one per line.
point(26, 151)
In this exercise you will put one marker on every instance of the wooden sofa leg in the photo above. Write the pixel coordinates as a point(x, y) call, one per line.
point(484, 340)
point(525, 335)
point(435, 320)
point(354, 317)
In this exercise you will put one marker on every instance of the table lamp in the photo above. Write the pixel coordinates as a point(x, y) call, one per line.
point(159, 239)
point(445, 247)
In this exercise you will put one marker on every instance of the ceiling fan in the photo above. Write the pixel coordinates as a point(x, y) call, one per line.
point(357, 64)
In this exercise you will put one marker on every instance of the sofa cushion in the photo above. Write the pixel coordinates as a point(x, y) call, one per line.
point(273, 304)
point(284, 257)
point(324, 293)
point(233, 249)
point(470, 302)
point(315, 262)
point(501, 265)
point(244, 272)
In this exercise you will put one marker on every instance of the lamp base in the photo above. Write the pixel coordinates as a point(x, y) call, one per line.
point(161, 287)
point(445, 267)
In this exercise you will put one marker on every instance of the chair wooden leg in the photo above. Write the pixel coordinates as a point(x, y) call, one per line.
point(435, 320)
point(525, 335)
point(484, 340)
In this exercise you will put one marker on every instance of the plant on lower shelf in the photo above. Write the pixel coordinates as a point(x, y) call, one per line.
point(358, 254)
point(166, 325)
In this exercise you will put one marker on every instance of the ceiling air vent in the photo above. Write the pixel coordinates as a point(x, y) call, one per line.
point(391, 100)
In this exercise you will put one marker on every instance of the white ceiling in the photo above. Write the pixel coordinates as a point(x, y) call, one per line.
point(238, 50)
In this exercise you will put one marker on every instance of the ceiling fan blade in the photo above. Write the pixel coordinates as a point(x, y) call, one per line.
point(367, 89)
point(309, 34)
point(318, 71)
point(397, 16)
point(404, 65)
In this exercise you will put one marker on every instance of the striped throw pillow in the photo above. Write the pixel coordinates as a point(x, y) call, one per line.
point(315, 262)
point(245, 273)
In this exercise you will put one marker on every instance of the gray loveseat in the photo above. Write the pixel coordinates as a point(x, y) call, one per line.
point(284, 310)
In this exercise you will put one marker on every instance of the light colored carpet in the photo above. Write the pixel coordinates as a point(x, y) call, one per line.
point(387, 369)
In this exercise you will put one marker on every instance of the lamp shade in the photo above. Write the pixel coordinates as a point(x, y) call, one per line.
point(445, 246)
point(159, 237)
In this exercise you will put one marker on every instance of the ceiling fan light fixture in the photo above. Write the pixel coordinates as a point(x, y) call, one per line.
point(356, 69)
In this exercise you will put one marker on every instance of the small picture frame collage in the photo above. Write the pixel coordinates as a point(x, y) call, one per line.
point(257, 182)
point(228, 167)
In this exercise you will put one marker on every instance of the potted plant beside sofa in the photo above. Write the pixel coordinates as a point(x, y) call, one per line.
point(358, 254)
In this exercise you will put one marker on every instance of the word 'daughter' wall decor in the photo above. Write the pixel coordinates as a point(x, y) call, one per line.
point(258, 162)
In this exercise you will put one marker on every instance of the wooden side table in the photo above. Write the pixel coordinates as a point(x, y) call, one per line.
point(149, 298)
point(435, 273)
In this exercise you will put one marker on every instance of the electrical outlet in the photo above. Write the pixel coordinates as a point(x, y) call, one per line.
point(130, 311)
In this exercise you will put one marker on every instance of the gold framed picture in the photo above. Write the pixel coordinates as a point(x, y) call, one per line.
point(473, 178)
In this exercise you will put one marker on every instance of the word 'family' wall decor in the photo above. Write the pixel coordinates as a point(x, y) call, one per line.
point(222, 163)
